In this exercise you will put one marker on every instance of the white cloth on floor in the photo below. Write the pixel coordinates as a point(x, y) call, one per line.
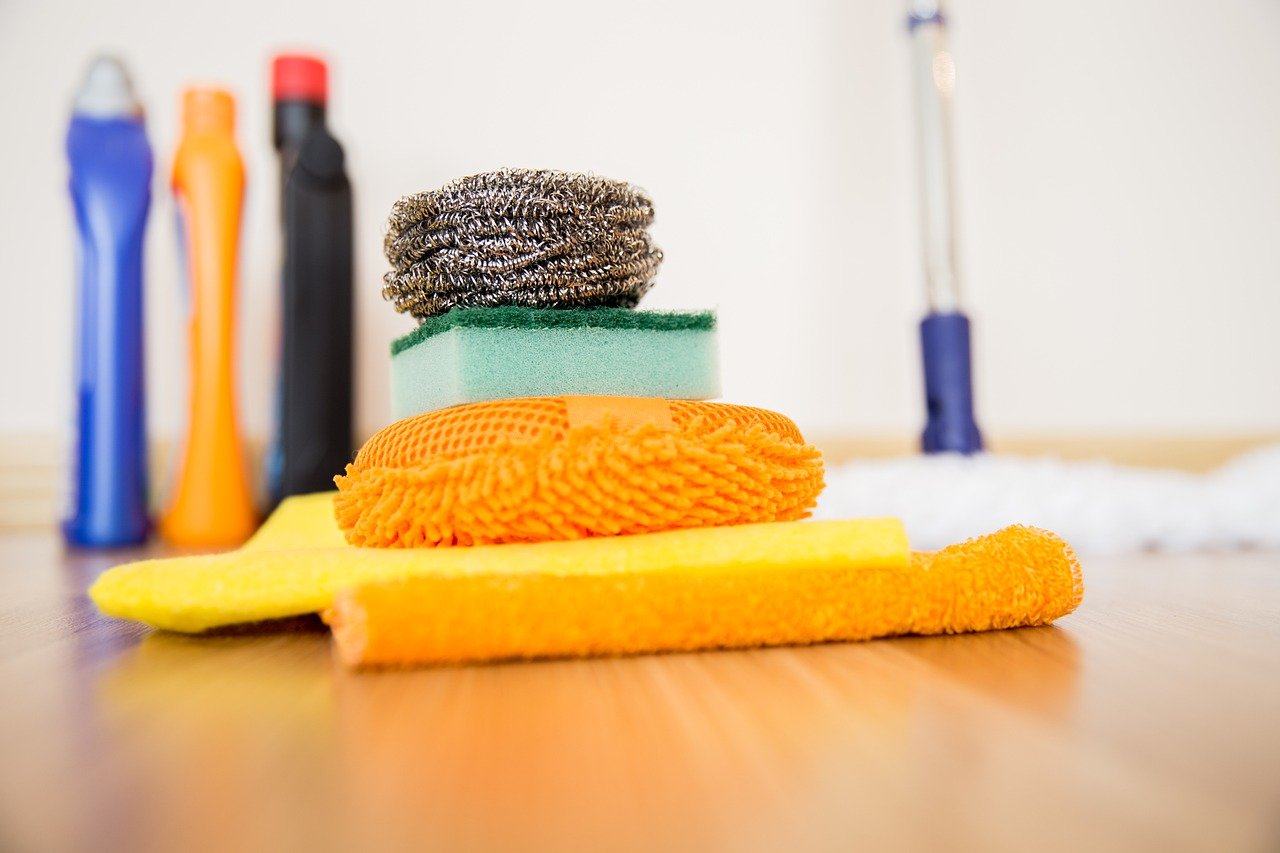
point(1099, 507)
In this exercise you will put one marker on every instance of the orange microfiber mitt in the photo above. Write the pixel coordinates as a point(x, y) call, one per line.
point(551, 468)
point(1018, 576)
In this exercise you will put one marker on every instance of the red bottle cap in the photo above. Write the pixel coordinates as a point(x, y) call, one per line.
point(297, 77)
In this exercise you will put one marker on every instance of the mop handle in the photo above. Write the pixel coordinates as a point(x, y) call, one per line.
point(944, 333)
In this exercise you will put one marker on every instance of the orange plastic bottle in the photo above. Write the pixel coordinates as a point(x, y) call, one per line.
point(212, 503)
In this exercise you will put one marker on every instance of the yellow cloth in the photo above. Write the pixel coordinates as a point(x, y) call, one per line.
point(298, 561)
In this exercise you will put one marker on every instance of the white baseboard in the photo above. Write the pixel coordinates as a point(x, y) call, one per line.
point(33, 486)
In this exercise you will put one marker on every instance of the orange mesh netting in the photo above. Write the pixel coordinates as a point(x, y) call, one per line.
point(518, 471)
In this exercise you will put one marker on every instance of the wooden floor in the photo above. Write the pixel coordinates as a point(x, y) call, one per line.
point(1150, 719)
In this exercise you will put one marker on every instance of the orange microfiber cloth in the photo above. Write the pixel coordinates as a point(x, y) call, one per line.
point(1018, 576)
point(538, 469)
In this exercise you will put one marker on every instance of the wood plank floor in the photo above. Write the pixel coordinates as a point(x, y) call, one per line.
point(1150, 719)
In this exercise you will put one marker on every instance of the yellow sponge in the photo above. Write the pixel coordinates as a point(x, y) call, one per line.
point(1019, 576)
point(297, 563)
point(304, 521)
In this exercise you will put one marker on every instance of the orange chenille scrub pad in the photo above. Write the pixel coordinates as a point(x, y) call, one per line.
point(544, 468)
point(298, 562)
point(769, 595)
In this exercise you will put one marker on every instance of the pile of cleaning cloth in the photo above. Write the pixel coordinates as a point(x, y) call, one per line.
point(556, 482)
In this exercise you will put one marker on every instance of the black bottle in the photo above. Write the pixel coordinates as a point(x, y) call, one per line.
point(313, 439)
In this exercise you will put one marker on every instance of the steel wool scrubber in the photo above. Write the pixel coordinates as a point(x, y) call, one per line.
point(528, 237)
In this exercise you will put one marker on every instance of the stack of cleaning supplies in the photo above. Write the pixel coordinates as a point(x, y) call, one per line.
point(535, 402)
point(558, 484)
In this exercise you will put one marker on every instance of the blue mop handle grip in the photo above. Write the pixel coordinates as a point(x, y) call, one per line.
point(948, 385)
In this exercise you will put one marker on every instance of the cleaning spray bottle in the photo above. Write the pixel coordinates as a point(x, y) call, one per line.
point(212, 504)
point(313, 431)
point(111, 166)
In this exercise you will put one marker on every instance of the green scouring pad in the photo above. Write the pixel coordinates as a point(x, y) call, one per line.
point(472, 354)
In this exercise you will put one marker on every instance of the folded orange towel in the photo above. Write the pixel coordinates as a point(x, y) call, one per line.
point(1018, 576)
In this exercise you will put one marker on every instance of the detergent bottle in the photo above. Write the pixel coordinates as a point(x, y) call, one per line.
point(212, 502)
point(313, 440)
point(110, 186)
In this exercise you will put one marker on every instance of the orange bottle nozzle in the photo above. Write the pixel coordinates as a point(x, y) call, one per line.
point(208, 110)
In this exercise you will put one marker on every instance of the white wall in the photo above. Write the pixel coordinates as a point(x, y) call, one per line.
point(1119, 170)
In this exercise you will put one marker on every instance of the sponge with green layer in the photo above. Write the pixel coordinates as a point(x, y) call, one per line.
point(470, 355)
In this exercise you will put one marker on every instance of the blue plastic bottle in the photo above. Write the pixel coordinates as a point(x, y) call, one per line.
point(111, 189)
